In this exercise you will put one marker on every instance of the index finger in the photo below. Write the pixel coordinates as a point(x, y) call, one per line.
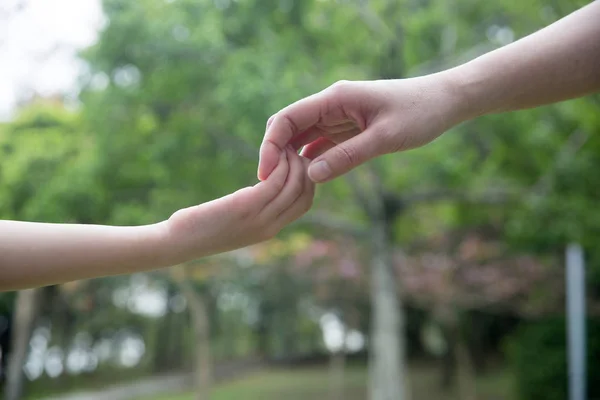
point(284, 126)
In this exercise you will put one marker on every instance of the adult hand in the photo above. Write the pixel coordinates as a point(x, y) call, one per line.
point(350, 123)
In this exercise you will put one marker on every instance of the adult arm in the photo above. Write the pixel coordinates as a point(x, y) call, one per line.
point(351, 122)
point(559, 62)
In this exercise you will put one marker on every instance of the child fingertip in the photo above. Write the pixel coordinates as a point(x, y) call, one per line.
point(270, 121)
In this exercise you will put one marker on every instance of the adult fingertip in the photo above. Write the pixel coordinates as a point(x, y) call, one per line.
point(268, 161)
point(261, 173)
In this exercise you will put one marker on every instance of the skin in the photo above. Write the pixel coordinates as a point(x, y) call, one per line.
point(350, 123)
point(38, 254)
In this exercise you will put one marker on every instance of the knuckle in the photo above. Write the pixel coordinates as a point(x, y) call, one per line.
point(241, 209)
point(289, 122)
point(347, 155)
point(340, 88)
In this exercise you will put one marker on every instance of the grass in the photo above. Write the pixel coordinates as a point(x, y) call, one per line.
point(293, 384)
point(313, 383)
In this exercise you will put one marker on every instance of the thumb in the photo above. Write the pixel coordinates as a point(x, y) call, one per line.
point(345, 156)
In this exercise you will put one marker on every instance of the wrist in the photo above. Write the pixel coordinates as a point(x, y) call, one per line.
point(161, 245)
point(466, 84)
point(184, 238)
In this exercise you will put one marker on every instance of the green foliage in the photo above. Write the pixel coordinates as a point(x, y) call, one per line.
point(7, 301)
point(191, 84)
point(538, 353)
point(47, 165)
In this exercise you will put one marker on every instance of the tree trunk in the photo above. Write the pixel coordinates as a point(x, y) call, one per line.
point(262, 331)
point(165, 340)
point(464, 369)
point(24, 317)
point(387, 361)
point(462, 361)
point(447, 364)
point(337, 366)
point(477, 344)
point(200, 323)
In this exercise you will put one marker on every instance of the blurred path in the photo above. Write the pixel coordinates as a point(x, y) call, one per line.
point(149, 386)
point(160, 384)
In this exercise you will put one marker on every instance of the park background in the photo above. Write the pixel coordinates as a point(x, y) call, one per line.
point(439, 272)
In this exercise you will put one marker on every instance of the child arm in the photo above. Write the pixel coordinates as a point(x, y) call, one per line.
point(39, 254)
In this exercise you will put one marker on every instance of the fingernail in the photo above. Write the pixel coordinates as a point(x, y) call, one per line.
point(319, 171)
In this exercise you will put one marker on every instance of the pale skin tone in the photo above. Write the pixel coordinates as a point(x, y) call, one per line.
point(350, 123)
point(37, 254)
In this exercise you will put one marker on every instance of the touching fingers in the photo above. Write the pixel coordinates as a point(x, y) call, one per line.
point(316, 148)
point(270, 188)
point(302, 203)
point(294, 185)
point(343, 128)
point(284, 126)
point(345, 156)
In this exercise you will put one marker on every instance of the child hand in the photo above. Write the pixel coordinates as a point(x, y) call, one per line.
point(248, 216)
point(38, 254)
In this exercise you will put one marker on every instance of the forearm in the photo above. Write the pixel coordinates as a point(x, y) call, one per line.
point(37, 254)
point(559, 62)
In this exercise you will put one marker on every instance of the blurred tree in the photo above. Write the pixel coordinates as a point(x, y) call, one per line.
point(177, 92)
point(341, 291)
point(471, 273)
point(199, 314)
point(24, 316)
